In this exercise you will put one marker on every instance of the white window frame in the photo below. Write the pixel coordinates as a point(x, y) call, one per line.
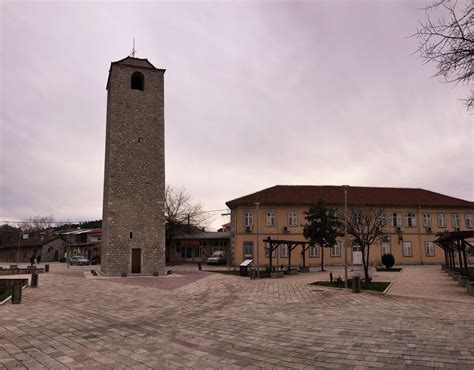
point(314, 251)
point(395, 219)
point(247, 244)
point(383, 219)
point(284, 251)
point(456, 220)
point(469, 220)
point(248, 218)
point(336, 248)
point(385, 248)
point(426, 219)
point(407, 244)
point(441, 220)
point(292, 218)
point(429, 249)
point(267, 254)
point(410, 219)
point(270, 219)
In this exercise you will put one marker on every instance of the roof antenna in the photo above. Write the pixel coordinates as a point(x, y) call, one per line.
point(132, 54)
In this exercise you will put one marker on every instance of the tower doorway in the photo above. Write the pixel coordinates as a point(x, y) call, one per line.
point(136, 261)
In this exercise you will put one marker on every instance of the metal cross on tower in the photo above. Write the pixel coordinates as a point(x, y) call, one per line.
point(132, 54)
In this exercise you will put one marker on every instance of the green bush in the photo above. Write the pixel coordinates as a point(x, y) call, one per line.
point(388, 260)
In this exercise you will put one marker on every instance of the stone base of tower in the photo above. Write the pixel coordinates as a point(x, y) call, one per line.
point(130, 257)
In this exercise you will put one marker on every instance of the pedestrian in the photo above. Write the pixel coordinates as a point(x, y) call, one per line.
point(32, 260)
point(38, 259)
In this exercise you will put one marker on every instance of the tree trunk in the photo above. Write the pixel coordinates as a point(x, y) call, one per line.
point(367, 266)
point(322, 258)
point(364, 261)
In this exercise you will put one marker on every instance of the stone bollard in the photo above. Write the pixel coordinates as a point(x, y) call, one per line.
point(199, 266)
point(34, 280)
point(16, 294)
point(470, 287)
point(356, 284)
point(463, 281)
point(46, 268)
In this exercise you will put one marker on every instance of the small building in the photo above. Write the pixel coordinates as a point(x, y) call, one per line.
point(49, 248)
point(84, 242)
point(195, 245)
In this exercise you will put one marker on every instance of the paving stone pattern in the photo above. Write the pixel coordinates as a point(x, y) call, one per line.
point(220, 321)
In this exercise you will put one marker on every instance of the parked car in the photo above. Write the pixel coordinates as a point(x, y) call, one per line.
point(79, 260)
point(217, 258)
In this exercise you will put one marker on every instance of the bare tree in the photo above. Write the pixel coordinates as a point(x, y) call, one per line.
point(449, 42)
point(366, 227)
point(37, 223)
point(181, 211)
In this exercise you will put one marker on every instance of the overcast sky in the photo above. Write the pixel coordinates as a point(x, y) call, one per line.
point(256, 94)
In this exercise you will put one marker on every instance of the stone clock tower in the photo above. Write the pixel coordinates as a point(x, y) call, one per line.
point(133, 231)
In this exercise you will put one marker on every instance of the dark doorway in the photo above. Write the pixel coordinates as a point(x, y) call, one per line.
point(136, 260)
point(56, 255)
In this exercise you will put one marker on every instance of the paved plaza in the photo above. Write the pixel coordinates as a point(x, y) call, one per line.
point(195, 319)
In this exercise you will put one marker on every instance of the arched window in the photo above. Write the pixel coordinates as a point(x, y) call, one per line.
point(138, 81)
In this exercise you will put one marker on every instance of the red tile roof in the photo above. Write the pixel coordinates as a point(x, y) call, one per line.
point(356, 196)
point(31, 242)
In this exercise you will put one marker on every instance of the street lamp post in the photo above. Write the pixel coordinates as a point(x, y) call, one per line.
point(258, 236)
point(345, 235)
point(18, 251)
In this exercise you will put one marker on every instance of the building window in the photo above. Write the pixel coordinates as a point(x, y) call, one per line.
point(284, 250)
point(395, 219)
point(469, 219)
point(314, 251)
point(383, 219)
point(441, 220)
point(267, 251)
point(407, 250)
point(426, 219)
point(197, 252)
point(386, 248)
point(215, 248)
point(410, 219)
point(429, 249)
point(137, 81)
point(292, 219)
point(270, 219)
point(356, 217)
point(456, 221)
point(248, 250)
point(336, 250)
point(248, 219)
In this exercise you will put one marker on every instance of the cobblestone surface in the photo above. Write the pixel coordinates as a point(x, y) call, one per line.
point(217, 321)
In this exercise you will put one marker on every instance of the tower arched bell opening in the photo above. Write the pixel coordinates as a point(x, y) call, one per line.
point(137, 81)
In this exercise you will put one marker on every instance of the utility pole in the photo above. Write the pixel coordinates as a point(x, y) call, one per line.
point(18, 251)
point(258, 237)
point(345, 235)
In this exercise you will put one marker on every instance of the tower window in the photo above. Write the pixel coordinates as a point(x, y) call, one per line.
point(131, 235)
point(138, 81)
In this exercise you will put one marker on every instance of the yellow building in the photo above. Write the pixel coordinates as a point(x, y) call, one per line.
point(412, 218)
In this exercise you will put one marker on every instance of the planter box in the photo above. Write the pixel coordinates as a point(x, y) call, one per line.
point(304, 269)
point(292, 272)
point(463, 281)
point(276, 275)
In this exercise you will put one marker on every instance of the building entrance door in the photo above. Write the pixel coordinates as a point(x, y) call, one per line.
point(356, 254)
point(136, 260)
point(189, 254)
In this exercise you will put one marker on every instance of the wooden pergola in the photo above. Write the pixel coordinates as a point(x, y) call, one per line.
point(456, 241)
point(273, 245)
